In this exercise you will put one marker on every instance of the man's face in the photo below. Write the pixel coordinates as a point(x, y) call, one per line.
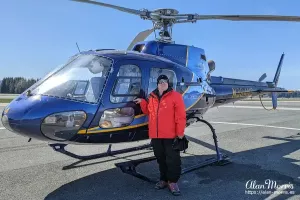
point(163, 84)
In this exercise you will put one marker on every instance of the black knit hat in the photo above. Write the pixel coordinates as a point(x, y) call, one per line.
point(162, 77)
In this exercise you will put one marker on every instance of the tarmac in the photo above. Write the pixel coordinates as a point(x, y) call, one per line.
point(263, 146)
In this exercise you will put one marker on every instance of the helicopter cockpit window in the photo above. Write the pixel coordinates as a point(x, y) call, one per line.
point(154, 74)
point(127, 85)
point(81, 87)
point(82, 79)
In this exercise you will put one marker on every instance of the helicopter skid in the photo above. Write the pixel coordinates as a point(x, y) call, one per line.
point(61, 149)
point(129, 167)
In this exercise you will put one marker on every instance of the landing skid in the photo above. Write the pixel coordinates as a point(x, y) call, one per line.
point(61, 149)
point(129, 167)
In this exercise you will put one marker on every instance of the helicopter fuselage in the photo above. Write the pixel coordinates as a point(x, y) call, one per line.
point(47, 110)
point(90, 98)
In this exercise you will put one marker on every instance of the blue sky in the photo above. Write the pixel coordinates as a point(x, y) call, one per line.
point(37, 36)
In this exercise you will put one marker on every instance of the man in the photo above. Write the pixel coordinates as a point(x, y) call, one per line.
point(167, 120)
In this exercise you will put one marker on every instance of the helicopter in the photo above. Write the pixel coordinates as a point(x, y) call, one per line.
point(89, 100)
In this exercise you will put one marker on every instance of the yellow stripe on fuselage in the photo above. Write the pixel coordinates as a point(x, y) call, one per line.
point(115, 129)
point(94, 129)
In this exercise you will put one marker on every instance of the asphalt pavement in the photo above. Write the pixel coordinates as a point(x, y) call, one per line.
point(263, 146)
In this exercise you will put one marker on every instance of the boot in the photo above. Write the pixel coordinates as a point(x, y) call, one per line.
point(161, 185)
point(174, 189)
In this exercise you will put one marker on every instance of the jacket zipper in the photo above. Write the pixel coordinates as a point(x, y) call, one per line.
point(157, 114)
point(157, 118)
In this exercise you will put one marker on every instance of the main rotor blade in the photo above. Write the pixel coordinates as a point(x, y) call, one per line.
point(248, 17)
point(140, 37)
point(128, 10)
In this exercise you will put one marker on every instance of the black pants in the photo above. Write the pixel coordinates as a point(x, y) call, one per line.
point(169, 160)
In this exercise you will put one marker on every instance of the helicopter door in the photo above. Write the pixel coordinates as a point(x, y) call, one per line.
point(126, 83)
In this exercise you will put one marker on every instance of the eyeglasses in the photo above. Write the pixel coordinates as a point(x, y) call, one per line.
point(161, 81)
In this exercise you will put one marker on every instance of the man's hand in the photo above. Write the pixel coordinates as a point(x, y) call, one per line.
point(180, 137)
point(137, 100)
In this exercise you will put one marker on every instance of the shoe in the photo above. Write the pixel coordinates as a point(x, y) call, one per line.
point(161, 185)
point(174, 189)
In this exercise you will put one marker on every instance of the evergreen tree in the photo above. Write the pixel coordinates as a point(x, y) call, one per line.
point(16, 85)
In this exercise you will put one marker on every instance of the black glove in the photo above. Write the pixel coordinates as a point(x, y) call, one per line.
point(180, 144)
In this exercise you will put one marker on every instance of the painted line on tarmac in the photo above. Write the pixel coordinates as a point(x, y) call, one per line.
point(267, 126)
point(1, 128)
point(260, 107)
point(268, 101)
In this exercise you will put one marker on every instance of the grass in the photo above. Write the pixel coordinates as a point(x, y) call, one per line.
point(5, 100)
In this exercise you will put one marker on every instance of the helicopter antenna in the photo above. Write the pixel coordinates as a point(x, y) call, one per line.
point(77, 47)
point(164, 19)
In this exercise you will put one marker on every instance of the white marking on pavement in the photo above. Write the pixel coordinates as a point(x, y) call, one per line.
point(267, 126)
point(260, 107)
point(1, 128)
point(269, 101)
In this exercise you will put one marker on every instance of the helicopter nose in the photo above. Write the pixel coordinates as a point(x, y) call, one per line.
point(5, 122)
point(13, 120)
point(47, 118)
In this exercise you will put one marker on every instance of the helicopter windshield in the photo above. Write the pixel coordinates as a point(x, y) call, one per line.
point(81, 79)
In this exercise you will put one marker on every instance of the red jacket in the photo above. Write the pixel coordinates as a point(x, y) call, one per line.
point(167, 116)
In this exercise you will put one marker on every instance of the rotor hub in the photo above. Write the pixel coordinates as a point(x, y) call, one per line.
point(166, 11)
point(163, 20)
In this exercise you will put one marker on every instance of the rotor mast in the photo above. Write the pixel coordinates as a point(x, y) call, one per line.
point(163, 24)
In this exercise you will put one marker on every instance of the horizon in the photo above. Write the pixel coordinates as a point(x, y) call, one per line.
point(39, 36)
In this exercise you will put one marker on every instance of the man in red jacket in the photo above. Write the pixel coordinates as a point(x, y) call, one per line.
point(167, 120)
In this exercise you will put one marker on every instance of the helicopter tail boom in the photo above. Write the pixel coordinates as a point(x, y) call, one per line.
point(235, 89)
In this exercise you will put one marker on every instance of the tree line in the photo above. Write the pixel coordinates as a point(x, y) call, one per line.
point(16, 85)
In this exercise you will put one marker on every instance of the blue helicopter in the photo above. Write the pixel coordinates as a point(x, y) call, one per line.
point(89, 100)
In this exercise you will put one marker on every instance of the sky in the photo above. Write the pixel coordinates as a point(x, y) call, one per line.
point(37, 36)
